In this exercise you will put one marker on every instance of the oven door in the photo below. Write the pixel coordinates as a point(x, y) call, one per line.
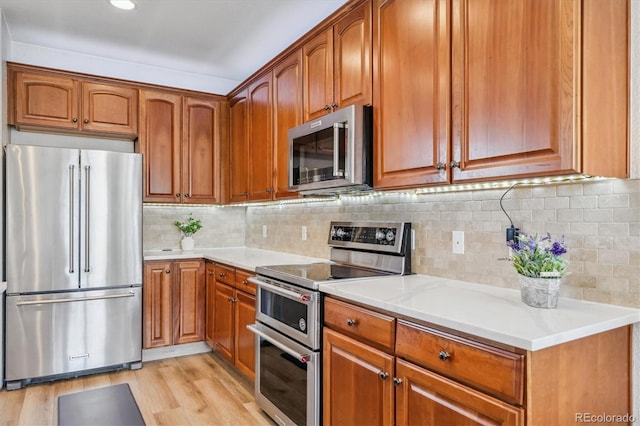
point(287, 385)
point(291, 310)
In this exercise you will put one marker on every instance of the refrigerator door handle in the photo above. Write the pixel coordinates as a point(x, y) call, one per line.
point(71, 209)
point(74, 299)
point(87, 201)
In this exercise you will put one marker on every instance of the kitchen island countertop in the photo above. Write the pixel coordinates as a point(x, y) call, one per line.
point(239, 257)
point(484, 311)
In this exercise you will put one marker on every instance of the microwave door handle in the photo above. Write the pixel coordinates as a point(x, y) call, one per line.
point(336, 148)
point(304, 358)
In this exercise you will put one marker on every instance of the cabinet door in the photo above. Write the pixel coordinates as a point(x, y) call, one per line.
point(260, 139)
point(411, 92)
point(157, 304)
point(46, 100)
point(109, 109)
point(189, 302)
point(317, 55)
point(245, 314)
point(287, 113)
point(210, 283)
point(352, 57)
point(357, 382)
point(239, 149)
point(159, 142)
point(425, 398)
point(223, 321)
point(200, 150)
point(515, 77)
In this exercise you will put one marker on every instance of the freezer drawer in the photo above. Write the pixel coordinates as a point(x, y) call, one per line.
point(54, 334)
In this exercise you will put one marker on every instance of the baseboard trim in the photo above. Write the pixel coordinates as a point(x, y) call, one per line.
point(175, 350)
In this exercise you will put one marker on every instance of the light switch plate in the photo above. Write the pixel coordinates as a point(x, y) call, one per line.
point(457, 242)
point(264, 231)
point(304, 233)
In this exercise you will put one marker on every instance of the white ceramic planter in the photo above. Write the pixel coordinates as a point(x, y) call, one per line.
point(187, 243)
point(540, 292)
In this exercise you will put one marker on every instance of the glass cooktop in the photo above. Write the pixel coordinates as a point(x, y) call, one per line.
point(312, 274)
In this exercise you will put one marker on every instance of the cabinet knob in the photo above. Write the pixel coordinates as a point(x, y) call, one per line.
point(444, 355)
point(178, 195)
point(74, 119)
point(222, 275)
point(351, 322)
point(86, 121)
point(441, 166)
point(187, 195)
point(211, 273)
point(334, 106)
point(327, 108)
point(230, 299)
point(383, 375)
point(167, 271)
point(245, 282)
point(455, 165)
point(397, 381)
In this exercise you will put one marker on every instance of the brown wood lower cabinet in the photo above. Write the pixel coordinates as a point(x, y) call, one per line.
point(230, 308)
point(421, 375)
point(173, 302)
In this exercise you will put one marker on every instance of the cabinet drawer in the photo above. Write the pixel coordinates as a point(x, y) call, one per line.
point(361, 323)
point(242, 282)
point(484, 367)
point(226, 274)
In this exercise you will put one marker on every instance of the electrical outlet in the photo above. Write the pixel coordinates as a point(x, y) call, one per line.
point(304, 233)
point(457, 239)
point(264, 231)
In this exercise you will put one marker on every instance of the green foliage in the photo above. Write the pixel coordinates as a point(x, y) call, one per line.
point(190, 227)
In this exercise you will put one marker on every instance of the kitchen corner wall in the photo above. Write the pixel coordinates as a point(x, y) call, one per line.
point(600, 221)
point(221, 226)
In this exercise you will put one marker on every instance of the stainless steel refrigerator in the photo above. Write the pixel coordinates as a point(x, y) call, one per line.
point(73, 262)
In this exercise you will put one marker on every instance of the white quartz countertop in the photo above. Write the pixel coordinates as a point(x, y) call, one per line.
point(485, 311)
point(239, 257)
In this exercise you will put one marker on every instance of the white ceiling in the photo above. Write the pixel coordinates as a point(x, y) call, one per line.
point(227, 39)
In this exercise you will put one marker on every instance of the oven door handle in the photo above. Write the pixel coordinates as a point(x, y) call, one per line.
point(303, 358)
point(300, 297)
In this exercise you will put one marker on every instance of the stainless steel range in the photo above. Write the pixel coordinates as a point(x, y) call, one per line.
point(288, 313)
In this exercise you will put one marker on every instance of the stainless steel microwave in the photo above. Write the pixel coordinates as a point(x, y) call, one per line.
point(333, 154)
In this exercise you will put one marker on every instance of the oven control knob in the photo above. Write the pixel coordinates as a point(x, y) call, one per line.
point(340, 232)
point(391, 235)
point(380, 235)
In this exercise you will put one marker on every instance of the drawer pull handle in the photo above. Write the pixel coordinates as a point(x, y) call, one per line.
point(383, 375)
point(397, 381)
point(351, 322)
point(444, 355)
point(222, 275)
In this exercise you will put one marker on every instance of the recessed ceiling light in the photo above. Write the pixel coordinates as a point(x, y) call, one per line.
point(123, 4)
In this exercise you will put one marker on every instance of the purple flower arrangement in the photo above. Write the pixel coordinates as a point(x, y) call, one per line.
point(539, 257)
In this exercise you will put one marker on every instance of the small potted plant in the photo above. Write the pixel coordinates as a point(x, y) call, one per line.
point(540, 267)
point(188, 228)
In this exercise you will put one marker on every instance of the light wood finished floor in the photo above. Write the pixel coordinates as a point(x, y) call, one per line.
point(190, 390)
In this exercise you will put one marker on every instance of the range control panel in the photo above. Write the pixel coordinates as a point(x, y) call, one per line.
point(375, 236)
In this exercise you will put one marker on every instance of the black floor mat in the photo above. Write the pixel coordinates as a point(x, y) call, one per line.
point(108, 406)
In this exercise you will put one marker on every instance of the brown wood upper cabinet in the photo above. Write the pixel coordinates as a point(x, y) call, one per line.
point(42, 99)
point(337, 64)
point(180, 140)
point(261, 114)
point(520, 101)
